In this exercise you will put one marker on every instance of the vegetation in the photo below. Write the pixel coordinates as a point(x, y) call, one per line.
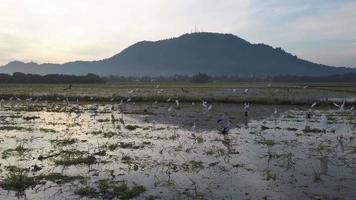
point(19, 77)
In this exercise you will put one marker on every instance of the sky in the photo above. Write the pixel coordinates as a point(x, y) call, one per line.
point(58, 31)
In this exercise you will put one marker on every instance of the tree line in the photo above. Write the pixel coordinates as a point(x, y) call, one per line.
point(19, 77)
point(346, 78)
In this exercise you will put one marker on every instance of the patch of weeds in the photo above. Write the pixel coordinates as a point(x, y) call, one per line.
point(28, 118)
point(200, 139)
point(292, 129)
point(64, 142)
point(270, 176)
point(59, 178)
point(268, 143)
point(16, 128)
point(108, 189)
point(88, 160)
point(196, 164)
point(132, 127)
point(69, 158)
point(19, 150)
point(264, 127)
point(109, 134)
point(87, 192)
point(48, 130)
point(126, 159)
point(18, 180)
point(312, 130)
point(113, 147)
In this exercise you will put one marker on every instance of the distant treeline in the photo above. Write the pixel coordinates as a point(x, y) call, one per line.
point(197, 78)
point(19, 77)
point(348, 78)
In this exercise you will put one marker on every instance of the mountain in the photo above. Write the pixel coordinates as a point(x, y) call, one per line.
point(211, 53)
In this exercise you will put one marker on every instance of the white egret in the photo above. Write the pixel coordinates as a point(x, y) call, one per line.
point(210, 107)
point(313, 105)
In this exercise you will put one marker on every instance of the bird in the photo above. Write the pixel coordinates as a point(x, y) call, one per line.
point(352, 108)
point(324, 121)
point(170, 108)
point(177, 102)
point(169, 99)
point(245, 91)
point(204, 104)
point(275, 111)
point(234, 90)
point(246, 108)
point(193, 103)
point(341, 107)
point(224, 125)
point(130, 92)
point(210, 107)
point(193, 127)
point(313, 105)
point(69, 87)
point(184, 91)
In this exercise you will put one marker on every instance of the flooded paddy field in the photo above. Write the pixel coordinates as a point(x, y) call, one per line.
point(172, 150)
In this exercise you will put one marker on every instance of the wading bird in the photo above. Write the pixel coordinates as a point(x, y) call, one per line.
point(69, 87)
point(341, 107)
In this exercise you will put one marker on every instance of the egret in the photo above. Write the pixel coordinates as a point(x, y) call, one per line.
point(193, 127)
point(234, 90)
point(341, 107)
point(275, 112)
point(245, 91)
point(210, 107)
point(324, 122)
point(69, 87)
point(193, 103)
point(177, 102)
point(313, 105)
point(246, 108)
point(204, 104)
point(170, 108)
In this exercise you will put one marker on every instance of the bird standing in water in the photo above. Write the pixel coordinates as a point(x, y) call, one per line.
point(69, 87)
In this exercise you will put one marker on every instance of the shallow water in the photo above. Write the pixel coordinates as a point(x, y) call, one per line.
point(271, 156)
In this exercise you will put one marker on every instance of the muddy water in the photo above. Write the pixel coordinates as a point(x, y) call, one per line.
point(273, 156)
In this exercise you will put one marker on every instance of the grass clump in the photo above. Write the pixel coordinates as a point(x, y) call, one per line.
point(108, 189)
point(19, 150)
point(131, 127)
point(64, 142)
point(196, 164)
point(270, 176)
point(87, 192)
point(18, 180)
point(75, 157)
point(88, 160)
point(59, 178)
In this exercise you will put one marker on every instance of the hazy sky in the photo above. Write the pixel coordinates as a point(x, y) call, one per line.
point(322, 31)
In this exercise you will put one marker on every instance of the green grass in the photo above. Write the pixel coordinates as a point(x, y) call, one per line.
point(260, 93)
